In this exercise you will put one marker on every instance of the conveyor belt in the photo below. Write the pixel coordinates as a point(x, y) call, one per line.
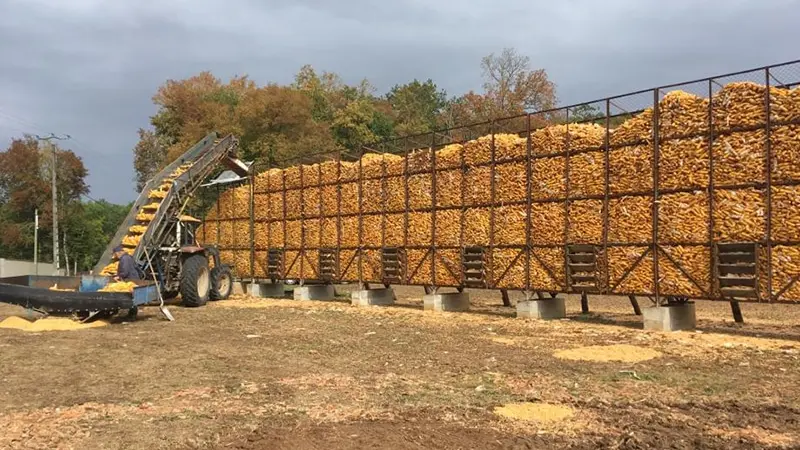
point(64, 301)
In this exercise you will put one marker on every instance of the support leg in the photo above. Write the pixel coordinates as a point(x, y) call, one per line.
point(584, 303)
point(540, 295)
point(506, 300)
point(553, 294)
point(737, 311)
point(427, 289)
point(635, 304)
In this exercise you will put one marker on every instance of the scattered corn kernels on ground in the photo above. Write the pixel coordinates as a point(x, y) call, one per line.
point(48, 324)
point(119, 286)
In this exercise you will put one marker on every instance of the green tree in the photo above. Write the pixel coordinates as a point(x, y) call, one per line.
point(352, 126)
point(415, 106)
point(90, 227)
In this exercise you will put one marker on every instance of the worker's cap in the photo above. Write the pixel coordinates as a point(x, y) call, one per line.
point(117, 249)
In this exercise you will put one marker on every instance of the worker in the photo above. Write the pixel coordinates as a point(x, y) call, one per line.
point(126, 269)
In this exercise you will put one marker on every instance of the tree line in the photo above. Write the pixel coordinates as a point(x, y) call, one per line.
point(85, 227)
point(319, 113)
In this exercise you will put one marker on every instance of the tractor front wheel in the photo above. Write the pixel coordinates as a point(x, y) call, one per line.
point(195, 281)
point(221, 283)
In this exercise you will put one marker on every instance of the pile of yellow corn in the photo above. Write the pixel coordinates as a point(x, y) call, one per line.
point(118, 286)
point(384, 200)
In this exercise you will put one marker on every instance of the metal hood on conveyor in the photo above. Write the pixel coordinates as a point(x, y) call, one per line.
point(229, 176)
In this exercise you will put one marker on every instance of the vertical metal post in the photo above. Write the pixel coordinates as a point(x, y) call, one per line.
point(433, 209)
point(463, 211)
point(219, 222)
point(384, 195)
point(283, 223)
point(302, 254)
point(270, 219)
point(252, 228)
point(567, 236)
point(528, 188)
point(504, 296)
point(736, 310)
point(768, 167)
point(635, 303)
point(359, 249)
point(321, 217)
point(405, 186)
point(606, 193)
point(492, 207)
point(656, 143)
point(584, 303)
point(713, 269)
point(339, 213)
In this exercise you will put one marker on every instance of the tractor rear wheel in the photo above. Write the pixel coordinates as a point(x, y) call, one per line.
point(221, 283)
point(195, 281)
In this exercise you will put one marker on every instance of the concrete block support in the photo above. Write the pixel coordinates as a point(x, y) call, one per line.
point(546, 309)
point(239, 288)
point(670, 317)
point(372, 297)
point(266, 290)
point(314, 292)
point(451, 301)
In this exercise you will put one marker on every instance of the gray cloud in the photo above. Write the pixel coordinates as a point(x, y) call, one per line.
point(89, 68)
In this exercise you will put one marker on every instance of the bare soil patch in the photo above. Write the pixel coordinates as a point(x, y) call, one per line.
point(306, 375)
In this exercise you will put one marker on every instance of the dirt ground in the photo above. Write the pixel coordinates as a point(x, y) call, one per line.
point(253, 374)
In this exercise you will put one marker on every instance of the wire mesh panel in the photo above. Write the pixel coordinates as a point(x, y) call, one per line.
point(642, 193)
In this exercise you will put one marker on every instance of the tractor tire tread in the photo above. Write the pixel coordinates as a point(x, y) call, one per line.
point(192, 268)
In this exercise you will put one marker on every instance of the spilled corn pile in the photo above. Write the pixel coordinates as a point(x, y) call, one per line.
point(535, 412)
point(561, 184)
point(119, 286)
point(48, 324)
point(605, 353)
point(143, 218)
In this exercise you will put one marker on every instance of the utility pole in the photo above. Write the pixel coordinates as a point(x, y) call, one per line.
point(53, 188)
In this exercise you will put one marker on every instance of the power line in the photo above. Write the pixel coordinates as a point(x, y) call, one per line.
point(11, 127)
point(24, 122)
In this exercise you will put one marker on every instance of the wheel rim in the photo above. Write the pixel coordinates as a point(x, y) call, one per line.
point(224, 284)
point(202, 282)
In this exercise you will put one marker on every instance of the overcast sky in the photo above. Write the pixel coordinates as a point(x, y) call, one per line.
point(89, 68)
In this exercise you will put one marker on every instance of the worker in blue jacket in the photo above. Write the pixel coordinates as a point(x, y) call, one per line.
point(126, 269)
